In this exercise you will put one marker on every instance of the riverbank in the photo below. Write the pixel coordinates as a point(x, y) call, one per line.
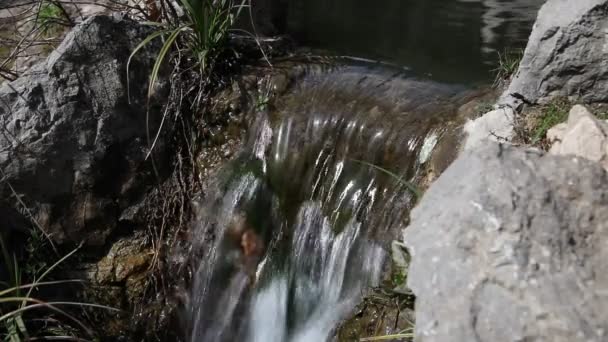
point(251, 183)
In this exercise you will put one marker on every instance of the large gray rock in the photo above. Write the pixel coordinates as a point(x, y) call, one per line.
point(511, 245)
point(566, 54)
point(71, 143)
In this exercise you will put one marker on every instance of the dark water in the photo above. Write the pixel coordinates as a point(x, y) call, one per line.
point(448, 40)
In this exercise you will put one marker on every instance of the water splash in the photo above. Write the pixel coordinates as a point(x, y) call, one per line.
point(294, 231)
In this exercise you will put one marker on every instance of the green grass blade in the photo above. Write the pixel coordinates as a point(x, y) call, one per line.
point(411, 187)
point(388, 337)
point(19, 299)
point(161, 57)
point(49, 270)
point(46, 283)
point(144, 42)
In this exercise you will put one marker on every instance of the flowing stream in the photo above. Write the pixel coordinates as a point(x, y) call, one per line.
point(295, 230)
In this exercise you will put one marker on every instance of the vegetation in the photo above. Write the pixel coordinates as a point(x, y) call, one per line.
point(552, 114)
point(508, 63)
point(404, 335)
point(532, 127)
point(52, 17)
point(202, 35)
point(399, 179)
point(37, 33)
point(25, 317)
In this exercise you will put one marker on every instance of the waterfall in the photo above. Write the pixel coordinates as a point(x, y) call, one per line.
point(293, 232)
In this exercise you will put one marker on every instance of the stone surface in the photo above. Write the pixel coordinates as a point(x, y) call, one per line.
point(583, 135)
point(72, 145)
point(511, 245)
point(496, 125)
point(567, 53)
point(127, 257)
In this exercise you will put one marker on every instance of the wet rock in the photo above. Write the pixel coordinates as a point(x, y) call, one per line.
point(509, 245)
point(127, 257)
point(583, 135)
point(72, 144)
point(566, 54)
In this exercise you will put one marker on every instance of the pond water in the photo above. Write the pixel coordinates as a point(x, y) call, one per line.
point(447, 40)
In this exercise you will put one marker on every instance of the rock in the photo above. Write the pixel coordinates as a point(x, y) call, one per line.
point(127, 263)
point(496, 125)
point(566, 54)
point(127, 257)
point(72, 145)
point(583, 135)
point(510, 245)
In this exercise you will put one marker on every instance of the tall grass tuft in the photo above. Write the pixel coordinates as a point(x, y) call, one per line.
point(508, 63)
point(203, 33)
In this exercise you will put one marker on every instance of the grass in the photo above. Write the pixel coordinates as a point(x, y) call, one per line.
point(404, 335)
point(552, 114)
point(203, 34)
point(400, 180)
point(508, 63)
point(51, 17)
point(36, 34)
point(21, 313)
point(532, 126)
point(201, 38)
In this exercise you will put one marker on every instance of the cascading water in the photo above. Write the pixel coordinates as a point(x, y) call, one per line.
point(293, 232)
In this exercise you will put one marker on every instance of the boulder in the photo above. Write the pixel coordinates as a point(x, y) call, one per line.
point(72, 145)
point(511, 245)
point(566, 54)
point(583, 135)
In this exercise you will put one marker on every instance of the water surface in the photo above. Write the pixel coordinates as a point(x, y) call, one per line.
point(449, 40)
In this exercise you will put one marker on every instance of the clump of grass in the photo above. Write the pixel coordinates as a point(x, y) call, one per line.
point(532, 127)
point(508, 63)
point(17, 300)
point(552, 114)
point(202, 35)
